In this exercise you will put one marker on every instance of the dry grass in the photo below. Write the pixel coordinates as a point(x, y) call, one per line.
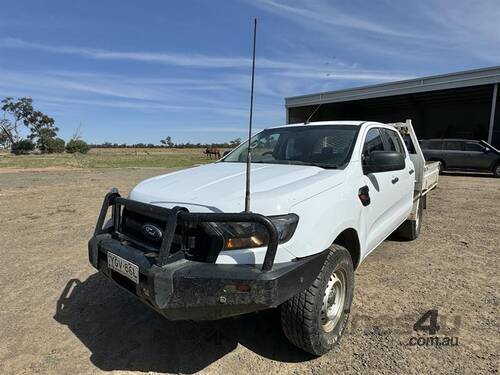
point(108, 158)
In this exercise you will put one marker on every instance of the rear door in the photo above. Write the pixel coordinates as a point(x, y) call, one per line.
point(432, 149)
point(453, 154)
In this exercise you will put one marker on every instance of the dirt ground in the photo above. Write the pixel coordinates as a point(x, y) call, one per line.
point(58, 316)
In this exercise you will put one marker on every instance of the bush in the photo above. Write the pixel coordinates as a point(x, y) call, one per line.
point(22, 147)
point(55, 145)
point(77, 145)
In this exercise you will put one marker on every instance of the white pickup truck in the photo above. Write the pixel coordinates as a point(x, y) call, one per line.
point(324, 195)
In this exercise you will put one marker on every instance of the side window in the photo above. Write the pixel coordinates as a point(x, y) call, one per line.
point(432, 145)
point(393, 141)
point(472, 146)
point(373, 142)
point(453, 145)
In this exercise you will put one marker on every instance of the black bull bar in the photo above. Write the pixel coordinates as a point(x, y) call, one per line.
point(179, 215)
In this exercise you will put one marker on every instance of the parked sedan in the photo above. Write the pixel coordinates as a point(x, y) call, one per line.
point(462, 154)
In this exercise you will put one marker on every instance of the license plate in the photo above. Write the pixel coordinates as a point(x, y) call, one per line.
point(123, 267)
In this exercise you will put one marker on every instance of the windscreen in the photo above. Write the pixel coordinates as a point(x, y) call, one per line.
point(322, 146)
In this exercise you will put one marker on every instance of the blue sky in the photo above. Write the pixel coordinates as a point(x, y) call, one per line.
point(131, 71)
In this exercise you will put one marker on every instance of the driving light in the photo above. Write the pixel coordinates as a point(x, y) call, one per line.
point(248, 235)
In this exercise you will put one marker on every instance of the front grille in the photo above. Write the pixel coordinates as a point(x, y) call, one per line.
point(199, 241)
point(132, 226)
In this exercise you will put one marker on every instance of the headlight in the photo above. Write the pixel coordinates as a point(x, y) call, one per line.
point(247, 235)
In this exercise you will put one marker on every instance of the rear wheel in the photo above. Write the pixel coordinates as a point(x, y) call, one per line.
point(496, 170)
point(441, 167)
point(315, 319)
point(410, 229)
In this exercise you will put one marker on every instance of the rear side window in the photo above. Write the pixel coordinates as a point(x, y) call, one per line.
point(432, 145)
point(373, 142)
point(393, 142)
point(453, 145)
point(473, 146)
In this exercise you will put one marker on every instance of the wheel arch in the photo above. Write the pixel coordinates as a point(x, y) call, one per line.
point(349, 239)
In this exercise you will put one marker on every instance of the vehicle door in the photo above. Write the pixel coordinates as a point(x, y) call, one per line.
point(476, 156)
point(378, 216)
point(403, 180)
point(453, 154)
point(432, 149)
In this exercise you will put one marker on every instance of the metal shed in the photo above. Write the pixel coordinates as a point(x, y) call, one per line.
point(459, 105)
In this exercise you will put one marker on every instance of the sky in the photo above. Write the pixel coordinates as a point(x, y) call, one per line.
point(129, 71)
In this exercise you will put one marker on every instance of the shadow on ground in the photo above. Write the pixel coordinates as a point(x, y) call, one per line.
point(468, 174)
point(124, 334)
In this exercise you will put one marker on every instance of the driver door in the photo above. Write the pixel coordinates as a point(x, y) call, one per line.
point(385, 212)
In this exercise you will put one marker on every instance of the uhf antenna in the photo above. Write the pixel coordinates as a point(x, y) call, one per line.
point(312, 114)
point(249, 153)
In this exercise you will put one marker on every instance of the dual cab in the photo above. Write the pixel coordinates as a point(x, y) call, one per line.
point(323, 196)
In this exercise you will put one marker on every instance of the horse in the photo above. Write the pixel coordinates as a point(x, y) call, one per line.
point(209, 151)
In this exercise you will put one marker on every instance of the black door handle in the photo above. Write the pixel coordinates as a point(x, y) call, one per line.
point(394, 180)
point(411, 171)
point(364, 195)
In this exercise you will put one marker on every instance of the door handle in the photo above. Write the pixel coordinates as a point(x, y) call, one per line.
point(364, 195)
point(395, 180)
point(411, 171)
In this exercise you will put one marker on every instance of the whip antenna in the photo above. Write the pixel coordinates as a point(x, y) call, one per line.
point(249, 153)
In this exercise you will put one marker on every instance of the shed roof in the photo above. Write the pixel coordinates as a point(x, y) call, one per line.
point(466, 78)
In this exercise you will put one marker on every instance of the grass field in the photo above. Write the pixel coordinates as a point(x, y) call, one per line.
point(108, 158)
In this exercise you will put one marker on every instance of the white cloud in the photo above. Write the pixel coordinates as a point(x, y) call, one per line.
point(420, 31)
point(321, 14)
point(175, 59)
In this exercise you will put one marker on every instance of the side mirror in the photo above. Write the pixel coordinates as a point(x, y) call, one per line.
point(486, 149)
point(383, 161)
point(225, 153)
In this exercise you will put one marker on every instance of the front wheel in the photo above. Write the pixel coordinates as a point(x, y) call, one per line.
point(315, 319)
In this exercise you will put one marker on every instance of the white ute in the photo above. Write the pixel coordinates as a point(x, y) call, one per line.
point(323, 196)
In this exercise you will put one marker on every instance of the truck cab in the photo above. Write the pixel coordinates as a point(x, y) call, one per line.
point(323, 196)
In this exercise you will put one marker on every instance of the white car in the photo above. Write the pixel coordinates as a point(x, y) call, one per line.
point(323, 196)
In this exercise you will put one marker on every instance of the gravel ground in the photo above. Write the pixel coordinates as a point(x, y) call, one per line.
point(58, 316)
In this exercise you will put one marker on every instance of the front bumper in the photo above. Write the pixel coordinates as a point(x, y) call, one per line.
point(182, 289)
point(189, 290)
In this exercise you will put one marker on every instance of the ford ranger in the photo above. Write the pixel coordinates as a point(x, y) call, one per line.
point(324, 196)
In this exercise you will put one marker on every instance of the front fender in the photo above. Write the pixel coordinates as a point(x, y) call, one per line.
point(322, 218)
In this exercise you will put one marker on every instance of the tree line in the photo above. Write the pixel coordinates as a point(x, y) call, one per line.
point(20, 117)
point(40, 128)
point(168, 143)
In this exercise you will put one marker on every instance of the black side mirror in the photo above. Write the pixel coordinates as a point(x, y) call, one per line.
point(225, 153)
point(383, 161)
point(486, 150)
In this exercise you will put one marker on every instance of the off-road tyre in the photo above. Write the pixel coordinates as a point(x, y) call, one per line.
point(303, 317)
point(410, 229)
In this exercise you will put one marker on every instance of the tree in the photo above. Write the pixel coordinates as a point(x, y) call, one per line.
point(44, 136)
point(168, 142)
point(77, 145)
point(23, 146)
point(55, 145)
point(40, 125)
point(10, 129)
point(235, 142)
point(6, 138)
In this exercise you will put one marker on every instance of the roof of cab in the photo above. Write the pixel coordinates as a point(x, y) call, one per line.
point(354, 123)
